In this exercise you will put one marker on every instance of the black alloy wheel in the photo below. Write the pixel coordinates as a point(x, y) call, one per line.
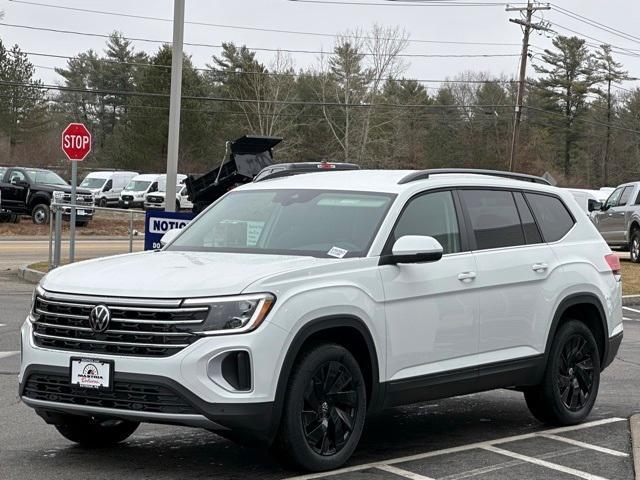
point(330, 408)
point(575, 375)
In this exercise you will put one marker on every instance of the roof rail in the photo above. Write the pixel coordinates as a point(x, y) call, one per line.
point(289, 169)
point(424, 174)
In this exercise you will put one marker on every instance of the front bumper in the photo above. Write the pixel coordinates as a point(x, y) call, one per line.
point(153, 206)
point(184, 376)
point(131, 203)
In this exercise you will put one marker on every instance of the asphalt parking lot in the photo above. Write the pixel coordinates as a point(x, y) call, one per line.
point(483, 436)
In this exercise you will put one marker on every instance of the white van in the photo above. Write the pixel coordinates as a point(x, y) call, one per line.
point(133, 194)
point(107, 186)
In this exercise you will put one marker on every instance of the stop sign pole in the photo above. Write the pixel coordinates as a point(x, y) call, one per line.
point(76, 144)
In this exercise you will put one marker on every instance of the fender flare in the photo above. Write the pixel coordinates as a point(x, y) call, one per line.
point(312, 327)
point(38, 197)
point(565, 304)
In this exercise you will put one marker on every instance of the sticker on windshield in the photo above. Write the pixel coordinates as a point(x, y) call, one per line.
point(337, 252)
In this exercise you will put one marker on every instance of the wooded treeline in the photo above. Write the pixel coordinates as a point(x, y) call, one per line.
point(579, 123)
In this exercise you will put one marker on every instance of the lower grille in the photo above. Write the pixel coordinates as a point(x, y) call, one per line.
point(130, 396)
point(127, 198)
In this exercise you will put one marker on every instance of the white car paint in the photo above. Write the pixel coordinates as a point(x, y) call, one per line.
point(467, 309)
point(107, 186)
point(182, 198)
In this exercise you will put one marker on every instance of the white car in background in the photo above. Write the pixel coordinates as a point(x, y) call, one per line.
point(155, 201)
point(589, 200)
point(107, 186)
point(136, 191)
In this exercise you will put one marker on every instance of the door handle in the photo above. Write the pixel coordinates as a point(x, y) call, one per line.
point(540, 267)
point(467, 277)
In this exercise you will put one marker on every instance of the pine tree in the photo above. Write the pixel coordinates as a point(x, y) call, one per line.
point(569, 78)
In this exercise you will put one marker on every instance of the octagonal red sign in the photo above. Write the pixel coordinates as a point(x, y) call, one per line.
point(76, 141)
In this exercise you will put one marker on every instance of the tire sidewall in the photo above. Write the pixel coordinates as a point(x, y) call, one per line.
point(303, 372)
point(634, 238)
point(568, 330)
point(40, 207)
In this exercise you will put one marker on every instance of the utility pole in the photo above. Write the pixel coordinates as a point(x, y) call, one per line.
point(174, 106)
point(529, 9)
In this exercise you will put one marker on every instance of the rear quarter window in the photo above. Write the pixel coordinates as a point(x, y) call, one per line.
point(552, 216)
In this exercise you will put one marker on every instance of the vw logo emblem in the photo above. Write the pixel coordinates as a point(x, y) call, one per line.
point(99, 318)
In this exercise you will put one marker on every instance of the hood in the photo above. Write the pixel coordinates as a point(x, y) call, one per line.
point(171, 274)
point(62, 188)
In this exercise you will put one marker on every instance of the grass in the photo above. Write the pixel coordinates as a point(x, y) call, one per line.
point(44, 266)
point(630, 277)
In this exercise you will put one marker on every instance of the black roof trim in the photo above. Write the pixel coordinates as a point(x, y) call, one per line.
point(425, 174)
point(289, 169)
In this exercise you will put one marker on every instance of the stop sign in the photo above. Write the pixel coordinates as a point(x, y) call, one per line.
point(76, 141)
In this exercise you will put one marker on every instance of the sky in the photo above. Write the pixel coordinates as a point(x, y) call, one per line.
point(486, 24)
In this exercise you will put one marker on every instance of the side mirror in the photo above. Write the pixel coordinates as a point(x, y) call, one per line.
point(414, 249)
point(19, 183)
point(594, 205)
point(169, 237)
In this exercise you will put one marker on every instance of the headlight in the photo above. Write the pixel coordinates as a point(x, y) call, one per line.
point(38, 291)
point(231, 315)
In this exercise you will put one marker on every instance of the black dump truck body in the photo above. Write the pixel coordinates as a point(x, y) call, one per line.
point(248, 155)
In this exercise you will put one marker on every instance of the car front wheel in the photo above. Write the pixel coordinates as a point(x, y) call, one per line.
point(571, 380)
point(40, 214)
point(90, 432)
point(324, 410)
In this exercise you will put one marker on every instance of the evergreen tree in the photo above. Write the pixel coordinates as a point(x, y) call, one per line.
point(569, 78)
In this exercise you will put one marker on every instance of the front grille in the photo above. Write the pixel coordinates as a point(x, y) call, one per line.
point(155, 199)
point(131, 396)
point(134, 330)
point(127, 198)
point(80, 199)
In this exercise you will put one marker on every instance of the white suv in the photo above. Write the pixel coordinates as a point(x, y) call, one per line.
point(294, 306)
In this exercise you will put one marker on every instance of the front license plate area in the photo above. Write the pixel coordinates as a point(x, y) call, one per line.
point(92, 373)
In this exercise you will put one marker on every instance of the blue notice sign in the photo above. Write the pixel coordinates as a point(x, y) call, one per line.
point(159, 222)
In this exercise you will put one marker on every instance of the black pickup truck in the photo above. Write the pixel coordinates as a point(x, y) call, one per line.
point(29, 191)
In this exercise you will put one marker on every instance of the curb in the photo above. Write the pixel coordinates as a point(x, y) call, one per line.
point(634, 423)
point(629, 300)
point(30, 275)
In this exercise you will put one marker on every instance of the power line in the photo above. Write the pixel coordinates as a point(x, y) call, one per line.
point(263, 49)
point(596, 24)
point(409, 4)
point(237, 100)
point(256, 29)
point(578, 119)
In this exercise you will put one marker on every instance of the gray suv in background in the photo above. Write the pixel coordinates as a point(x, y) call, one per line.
point(618, 220)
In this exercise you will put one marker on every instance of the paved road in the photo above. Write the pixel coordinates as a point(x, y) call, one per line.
point(483, 436)
point(15, 253)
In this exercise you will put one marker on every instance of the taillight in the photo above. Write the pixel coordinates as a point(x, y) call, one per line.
point(614, 264)
point(326, 166)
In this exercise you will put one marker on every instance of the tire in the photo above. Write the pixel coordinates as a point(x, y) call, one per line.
point(15, 218)
point(96, 433)
point(314, 433)
point(40, 214)
point(574, 359)
point(102, 202)
point(634, 247)
point(81, 224)
point(177, 206)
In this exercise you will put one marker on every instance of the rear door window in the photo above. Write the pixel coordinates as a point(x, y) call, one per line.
point(494, 218)
point(552, 215)
point(531, 233)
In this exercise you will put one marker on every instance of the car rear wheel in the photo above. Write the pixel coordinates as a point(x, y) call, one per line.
point(571, 380)
point(634, 247)
point(90, 432)
point(324, 410)
point(40, 214)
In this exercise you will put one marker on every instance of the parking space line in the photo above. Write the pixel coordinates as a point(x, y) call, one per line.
point(634, 310)
point(8, 354)
point(402, 473)
point(543, 463)
point(589, 446)
point(461, 448)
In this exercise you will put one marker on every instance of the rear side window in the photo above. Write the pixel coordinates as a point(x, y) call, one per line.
point(494, 218)
point(531, 232)
point(432, 215)
point(624, 198)
point(552, 215)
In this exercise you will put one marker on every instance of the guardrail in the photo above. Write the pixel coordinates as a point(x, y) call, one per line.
point(55, 227)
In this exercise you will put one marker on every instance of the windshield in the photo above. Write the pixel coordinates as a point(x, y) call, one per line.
point(289, 222)
point(93, 182)
point(138, 185)
point(45, 176)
